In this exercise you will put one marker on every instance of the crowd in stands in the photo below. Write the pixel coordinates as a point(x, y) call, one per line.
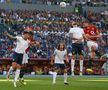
point(57, 2)
point(50, 28)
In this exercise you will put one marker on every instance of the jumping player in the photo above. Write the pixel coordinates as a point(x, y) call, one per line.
point(22, 44)
point(92, 33)
point(77, 35)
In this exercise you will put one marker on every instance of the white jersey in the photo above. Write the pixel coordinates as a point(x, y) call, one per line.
point(21, 45)
point(77, 33)
point(60, 56)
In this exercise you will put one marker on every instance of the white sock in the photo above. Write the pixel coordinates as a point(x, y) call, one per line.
point(81, 65)
point(72, 65)
point(17, 75)
point(10, 70)
point(65, 77)
point(54, 77)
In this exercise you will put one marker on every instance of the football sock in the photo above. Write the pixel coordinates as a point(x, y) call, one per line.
point(54, 77)
point(10, 70)
point(90, 63)
point(17, 75)
point(21, 73)
point(72, 65)
point(98, 53)
point(81, 65)
point(65, 77)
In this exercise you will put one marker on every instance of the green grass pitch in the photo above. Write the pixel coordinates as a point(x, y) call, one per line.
point(45, 83)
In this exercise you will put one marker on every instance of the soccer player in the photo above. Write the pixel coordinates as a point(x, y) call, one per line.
point(58, 60)
point(24, 63)
point(22, 44)
point(77, 35)
point(92, 33)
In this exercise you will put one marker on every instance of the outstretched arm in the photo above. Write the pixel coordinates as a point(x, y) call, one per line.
point(10, 36)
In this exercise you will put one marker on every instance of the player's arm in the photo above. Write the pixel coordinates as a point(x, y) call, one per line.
point(52, 59)
point(92, 37)
point(66, 58)
point(10, 36)
point(100, 37)
point(85, 37)
point(32, 43)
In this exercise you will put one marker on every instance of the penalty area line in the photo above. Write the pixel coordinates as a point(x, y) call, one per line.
point(94, 80)
point(4, 80)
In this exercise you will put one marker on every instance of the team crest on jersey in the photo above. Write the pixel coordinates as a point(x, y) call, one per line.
point(92, 32)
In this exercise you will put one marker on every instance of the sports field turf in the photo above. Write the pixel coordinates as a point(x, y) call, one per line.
point(45, 83)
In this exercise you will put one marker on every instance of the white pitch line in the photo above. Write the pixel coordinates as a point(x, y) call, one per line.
point(4, 80)
point(96, 80)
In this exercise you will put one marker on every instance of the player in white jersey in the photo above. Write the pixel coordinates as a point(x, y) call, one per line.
point(22, 43)
point(77, 35)
point(58, 60)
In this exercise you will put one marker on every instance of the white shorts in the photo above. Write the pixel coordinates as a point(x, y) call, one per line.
point(90, 44)
point(25, 58)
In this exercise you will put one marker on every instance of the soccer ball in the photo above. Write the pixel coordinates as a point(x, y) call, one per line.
point(62, 4)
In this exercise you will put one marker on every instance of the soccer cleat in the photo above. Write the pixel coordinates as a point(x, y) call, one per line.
point(8, 77)
point(22, 81)
point(81, 73)
point(89, 70)
point(14, 84)
point(66, 83)
point(72, 74)
point(54, 83)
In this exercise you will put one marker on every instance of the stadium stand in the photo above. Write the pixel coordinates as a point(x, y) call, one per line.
point(50, 28)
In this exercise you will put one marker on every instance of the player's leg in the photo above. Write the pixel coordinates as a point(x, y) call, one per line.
point(11, 69)
point(72, 65)
point(81, 64)
point(65, 76)
point(17, 72)
point(21, 73)
point(92, 49)
point(21, 76)
point(98, 54)
point(56, 67)
point(81, 58)
point(24, 64)
point(74, 51)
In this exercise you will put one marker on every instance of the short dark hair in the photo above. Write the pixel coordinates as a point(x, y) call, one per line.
point(28, 32)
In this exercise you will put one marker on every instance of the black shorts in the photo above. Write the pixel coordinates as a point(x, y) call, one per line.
point(77, 49)
point(18, 58)
point(59, 66)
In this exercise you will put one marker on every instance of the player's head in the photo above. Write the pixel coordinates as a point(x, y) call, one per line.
point(61, 46)
point(85, 24)
point(27, 34)
point(74, 24)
